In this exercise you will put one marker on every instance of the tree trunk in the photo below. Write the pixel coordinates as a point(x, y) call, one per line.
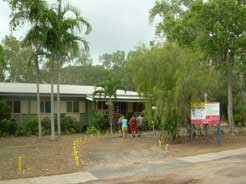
point(58, 105)
point(38, 100)
point(230, 98)
point(52, 137)
point(110, 117)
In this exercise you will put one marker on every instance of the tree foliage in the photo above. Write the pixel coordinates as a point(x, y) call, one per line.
point(17, 61)
point(170, 78)
point(216, 27)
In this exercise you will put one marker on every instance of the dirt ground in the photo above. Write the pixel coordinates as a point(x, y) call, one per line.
point(44, 157)
point(226, 171)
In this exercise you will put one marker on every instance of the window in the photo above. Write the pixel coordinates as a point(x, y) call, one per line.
point(45, 106)
point(16, 107)
point(69, 106)
point(73, 107)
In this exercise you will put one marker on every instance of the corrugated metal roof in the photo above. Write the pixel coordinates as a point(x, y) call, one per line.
point(31, 88)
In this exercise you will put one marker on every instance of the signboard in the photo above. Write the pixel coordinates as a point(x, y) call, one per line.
point(208, 113)
point(198, 113)
point(213, 113)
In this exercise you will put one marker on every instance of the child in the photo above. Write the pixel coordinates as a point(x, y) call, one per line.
point(124, 126)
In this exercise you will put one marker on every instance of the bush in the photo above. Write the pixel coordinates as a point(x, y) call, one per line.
point(70, 125)
point(7, 127)
point(92, 130)
point(21, 131)
point(31, 126)
point(100, 121)
point(5, 110)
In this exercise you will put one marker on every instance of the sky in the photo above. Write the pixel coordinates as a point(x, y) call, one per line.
point(116, 24)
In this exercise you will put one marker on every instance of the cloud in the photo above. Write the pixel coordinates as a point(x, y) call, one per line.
point(117, 24)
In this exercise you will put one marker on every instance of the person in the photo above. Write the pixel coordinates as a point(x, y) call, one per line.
point(124, 126)
point(140, 122)
point(133, 125)
point(119, 123)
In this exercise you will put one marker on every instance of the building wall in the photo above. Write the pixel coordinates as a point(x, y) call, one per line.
point(28, 108)
point(82, 106)
point(33, 107)
point(130, 107)
point(86, 108)
point(24, 106)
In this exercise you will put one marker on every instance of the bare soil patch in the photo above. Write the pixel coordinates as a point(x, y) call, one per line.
point(45, 157)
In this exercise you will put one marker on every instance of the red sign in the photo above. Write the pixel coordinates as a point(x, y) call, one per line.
point(212, 113)
point(208, 113)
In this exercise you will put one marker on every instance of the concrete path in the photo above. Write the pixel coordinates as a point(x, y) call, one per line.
point(213, 156)
point(73, 178)
point(152, 168)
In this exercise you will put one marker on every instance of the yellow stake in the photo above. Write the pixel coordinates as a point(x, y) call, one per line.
point(20, 164)
point(77, 160)
point(75, 148)
point(166, 147)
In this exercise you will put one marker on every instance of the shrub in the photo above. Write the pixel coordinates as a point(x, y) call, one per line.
point(21, 131)
point(5, 110)
point(100, 121)
point(92, 130)
point(46, 123)
point(31, 126)
point(70, 125)
point(7, 127)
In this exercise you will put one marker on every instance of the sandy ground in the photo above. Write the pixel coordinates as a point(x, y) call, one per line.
point(44, 157)
point(227, 171)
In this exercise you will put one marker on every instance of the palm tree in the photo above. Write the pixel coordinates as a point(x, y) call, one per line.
point(63, 42)
point(31, 11)
point(108, 89)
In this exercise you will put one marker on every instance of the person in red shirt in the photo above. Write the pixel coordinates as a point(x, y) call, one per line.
point(133, 125)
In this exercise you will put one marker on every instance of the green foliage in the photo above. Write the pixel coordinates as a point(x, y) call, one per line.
point(108, 89)
point(5, 111)
point(2, 63)
point(215, 27)
point(92, 130)
point(17, 57)
point(170, 78)
point(7, 127)
point(83, 75)
point(70, 125)
point(30, 126)
point(100, 121)
point(113, 61)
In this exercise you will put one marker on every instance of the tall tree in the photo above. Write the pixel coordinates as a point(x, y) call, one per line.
point(17, 57)
point(2, 64)
point(170, 78)
point(217, 27)
point(114, 60)
point(32, 12)
point(63, 41)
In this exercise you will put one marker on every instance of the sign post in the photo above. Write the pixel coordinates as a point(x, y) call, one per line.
point(207, 113)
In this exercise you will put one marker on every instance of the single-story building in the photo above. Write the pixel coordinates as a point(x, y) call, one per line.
point(76, 101)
